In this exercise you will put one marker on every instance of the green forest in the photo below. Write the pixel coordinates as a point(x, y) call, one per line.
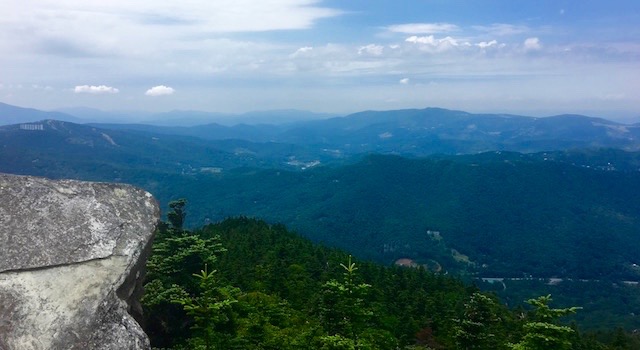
point(245, 284)
point(542, 218)
point(527, 219)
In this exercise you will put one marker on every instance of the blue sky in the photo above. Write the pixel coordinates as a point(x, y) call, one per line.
point(503, 56)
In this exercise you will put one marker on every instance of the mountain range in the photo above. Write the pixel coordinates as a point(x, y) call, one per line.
point(380, 206)
point(425, 131)
point(415, 132)
point(12, 114)
point(475, 195)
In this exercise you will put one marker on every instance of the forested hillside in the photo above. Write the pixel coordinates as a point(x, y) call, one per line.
point(245, 284)
point(555, 214)
point(511, 215)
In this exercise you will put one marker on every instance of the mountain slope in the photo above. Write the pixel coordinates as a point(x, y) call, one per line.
point(434, 130)
point(66, 150)
point(510, 214)
point(13, 115)
point(59, 149)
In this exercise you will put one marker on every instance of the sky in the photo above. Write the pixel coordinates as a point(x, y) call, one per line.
point(530, 57)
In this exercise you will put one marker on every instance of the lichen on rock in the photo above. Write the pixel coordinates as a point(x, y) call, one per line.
point(71, 262)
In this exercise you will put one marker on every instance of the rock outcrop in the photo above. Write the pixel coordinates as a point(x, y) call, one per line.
point(71, 262)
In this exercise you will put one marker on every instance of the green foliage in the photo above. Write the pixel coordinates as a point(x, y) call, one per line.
point(337, 342)
point(481, 326)
point(175, 252)
point(527, 208)
point(544, 313)
point(273, 289)
point(541, 330)
point(210, 308)
point(552, 214)
point(343, 309)
point(606, 304)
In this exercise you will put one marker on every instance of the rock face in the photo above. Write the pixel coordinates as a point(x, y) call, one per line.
point(71, 262)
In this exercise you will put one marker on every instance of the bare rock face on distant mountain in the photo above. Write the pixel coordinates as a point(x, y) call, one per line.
point(71, 261)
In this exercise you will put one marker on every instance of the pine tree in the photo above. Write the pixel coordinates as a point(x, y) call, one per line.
point(211, 309)
point(542, 332)
point(477, 329)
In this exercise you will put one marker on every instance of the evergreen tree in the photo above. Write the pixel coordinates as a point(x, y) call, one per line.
point(211, 310)
point(542, 331)
point(479, 326)
point(176, 252)
point(345, 314)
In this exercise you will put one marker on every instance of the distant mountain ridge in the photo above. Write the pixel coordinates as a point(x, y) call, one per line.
point(61, 149)
point(10, 114)
point(188, 118)
point(426, 131)
point(15, 115)
point(412, 132)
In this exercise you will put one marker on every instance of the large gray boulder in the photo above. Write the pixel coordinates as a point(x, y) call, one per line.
point(71, 262)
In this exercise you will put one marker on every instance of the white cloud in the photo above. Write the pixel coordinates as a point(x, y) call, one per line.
point(93, 89)
point(502, 29)
point(431, 43)
point(371, 49)
point(423, 28)
point(211, 16)
point(430, 40)
point(485, 44)
point(301, 51)
point(532, 44)
point(160, 29)
point(404, 81)
point(169, 41)
point(160, 90)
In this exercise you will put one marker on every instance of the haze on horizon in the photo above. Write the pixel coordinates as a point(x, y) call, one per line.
point(527, 57)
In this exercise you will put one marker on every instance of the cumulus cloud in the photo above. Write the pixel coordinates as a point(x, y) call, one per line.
point(371, 49)
point(160, 90)
point(532, 44)
point(423, 28)
point(93, 89)
point(430, 40)
point(431, 43)
point(404, 81)
point(487, 44)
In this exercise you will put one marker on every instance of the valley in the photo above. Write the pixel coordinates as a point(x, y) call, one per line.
point(473, 202)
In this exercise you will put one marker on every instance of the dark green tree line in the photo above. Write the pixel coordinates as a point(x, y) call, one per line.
point(261, 286)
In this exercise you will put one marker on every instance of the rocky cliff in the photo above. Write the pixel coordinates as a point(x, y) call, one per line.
point(71, 261)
